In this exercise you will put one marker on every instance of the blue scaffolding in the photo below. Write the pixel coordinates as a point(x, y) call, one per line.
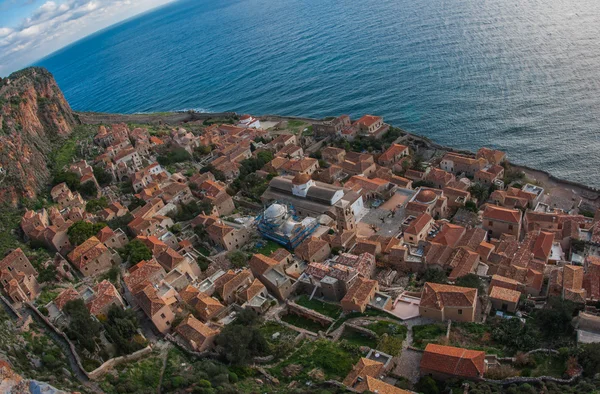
point(269, 230)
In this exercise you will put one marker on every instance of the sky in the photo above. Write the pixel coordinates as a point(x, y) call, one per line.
point(33, 29)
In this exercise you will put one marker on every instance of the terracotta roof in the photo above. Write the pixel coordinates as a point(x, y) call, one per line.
point(493, 212)
point(417, 225)
point(309, 247)
point(374, 385)
point(301, 179)
point(149, 300)
point(392, 151)
point(438, 296)
point(453, 361)
point(259, 264)
point(463, 262)
point(425, 196)
point(363, 368)
point(280, 255)
point(87, 252)
point(170, 259)
point(543, 245)
point(67, 295)
point(235, 282)
point(368, 120)
point(359, 293)
point(193, 330)
point(450, 234)
point(253, 290)
point(105, 294)
point(140, 273)
point(504, 294)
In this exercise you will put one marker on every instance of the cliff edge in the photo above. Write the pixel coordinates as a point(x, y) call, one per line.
point(34, 116)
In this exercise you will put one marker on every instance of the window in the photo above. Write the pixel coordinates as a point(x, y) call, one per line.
point(162, 315)
point(460, 311)
point(510, 226)
point(490, 223)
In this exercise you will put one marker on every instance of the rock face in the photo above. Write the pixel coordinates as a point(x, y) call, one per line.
point(34, 115)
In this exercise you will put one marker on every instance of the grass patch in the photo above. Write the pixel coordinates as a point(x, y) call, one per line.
point(282, 344)
point(47, 295)
point(323, 308)
point(548, 365)
point(71, 147)
point(138, 377)
point(474, 336)
point(428, 333)
point(352, 315)
point(358, 339)
point(267, 247)
point(297, 126)
point(391, 336)
point(334, 359)
point(302, 322)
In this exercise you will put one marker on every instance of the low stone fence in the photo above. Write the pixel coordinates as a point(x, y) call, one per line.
point(520, 380)
point(113, 362)
point(309, 314)
point(360, 329)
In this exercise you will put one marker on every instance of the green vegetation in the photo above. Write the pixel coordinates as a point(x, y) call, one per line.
point(139, 377)
point(135, 251)
point(177, 155)
point(428, 333)
point(267, 247)
point(238, 258)
point(80, 231)
point(472, 281)
point(96, 205)
point(122, 326)
point(279, 345)
point(589, 358)
point(189, 211)
point(297, 126)
point(369, 312)
point(103, 177)
point(434, 275)
point(391, 336)
point(251, 185)
point(324, 308)
point(47, 295)
point(358, 339)
point(303, 322)
point(73, 147)
point(242, 340)
point(83, 330)
point(333, 359)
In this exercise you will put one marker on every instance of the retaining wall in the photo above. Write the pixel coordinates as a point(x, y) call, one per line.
point(113, 362)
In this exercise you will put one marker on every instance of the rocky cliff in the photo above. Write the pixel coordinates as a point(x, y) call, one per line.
point(34, 117)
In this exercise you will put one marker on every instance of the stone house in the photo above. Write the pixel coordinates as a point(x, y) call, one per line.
point(93, 258)
point(446, 302)
point(198, 336)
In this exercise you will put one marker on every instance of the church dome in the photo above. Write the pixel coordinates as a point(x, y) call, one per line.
point(275, 211)
point(301, 179)
point(426, 196)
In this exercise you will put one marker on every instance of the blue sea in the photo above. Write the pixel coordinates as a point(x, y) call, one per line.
point(521, 76)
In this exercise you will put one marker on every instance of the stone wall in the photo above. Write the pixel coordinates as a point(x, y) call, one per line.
point(309, 314)
point(113, 362)
point(170, 118)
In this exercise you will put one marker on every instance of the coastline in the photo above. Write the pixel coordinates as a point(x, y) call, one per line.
point(563, 187)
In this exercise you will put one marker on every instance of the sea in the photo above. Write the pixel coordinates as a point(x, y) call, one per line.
point(520, 76)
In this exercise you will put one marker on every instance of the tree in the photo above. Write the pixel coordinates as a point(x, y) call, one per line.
point(427, 385)
point(47, 274)
point(136, 202)
point(203, 263)
point(242, 340)
point(218, 174)
point(136, 251)
point(88, 189)
point(555, 318)
point(70, 178)
point(80, 231)
point(479, 191)
point(96, 205)
point(176, 155)
point(589, 358)
point(472, 281)
point(121, 326)
point(434, 275)
point(103, 177)
point(82, 327)
point(237, 258)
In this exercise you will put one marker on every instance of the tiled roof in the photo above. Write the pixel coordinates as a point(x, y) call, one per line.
point(438, 296)
point(493, 212)
point(170, 259)
point(87, 252)
point(140, 273)
point(392, 151)
point(193, 330)
point(417, 225)
point(309, 247)
point(374, 385)
point(359, 293)
point(67, 295)
point(368, 120)
point(255, 288)
point(260, 263)
point(363, 368)
point(105, 294)
point(504, 294)
point(450, 234)
point(453, 361)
